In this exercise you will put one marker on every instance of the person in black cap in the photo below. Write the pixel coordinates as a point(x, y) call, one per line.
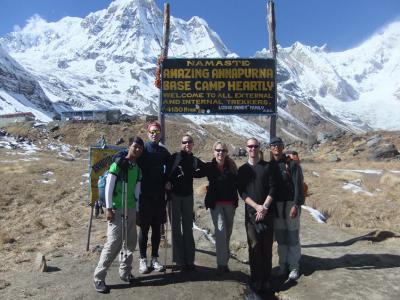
point(288, 201)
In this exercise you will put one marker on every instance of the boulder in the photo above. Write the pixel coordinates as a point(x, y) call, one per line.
point(374, 141)
point(334, 158)
point(387, 150)
point(40, 263)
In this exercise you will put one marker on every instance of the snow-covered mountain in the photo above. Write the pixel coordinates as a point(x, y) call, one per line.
point(19, 91)
point(108, 59)
point(359, 86)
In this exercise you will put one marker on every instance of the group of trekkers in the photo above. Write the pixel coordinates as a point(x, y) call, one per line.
point(148, 177)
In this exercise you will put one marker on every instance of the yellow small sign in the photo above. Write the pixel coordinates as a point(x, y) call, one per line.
point(100, 161)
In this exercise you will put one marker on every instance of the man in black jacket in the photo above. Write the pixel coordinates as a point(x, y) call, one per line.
point(152, 203)
point(289, 198)
point(257, 188)
point(182, 166)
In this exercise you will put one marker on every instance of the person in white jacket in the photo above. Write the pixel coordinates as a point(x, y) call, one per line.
point(121, 231)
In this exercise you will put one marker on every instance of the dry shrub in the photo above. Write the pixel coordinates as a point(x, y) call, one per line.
point(27, 195)
point(327, 212)
point(390, 180)
point(6, 239)
point(39, 223)
point(4, 284)
point(63, 223)
point(346, 176)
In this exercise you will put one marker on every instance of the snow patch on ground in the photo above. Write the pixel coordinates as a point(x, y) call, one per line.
point(206, 233)
point(9, 142)
point(316, 174)
point(366, 171)
point(355, 187)
point(319, 217)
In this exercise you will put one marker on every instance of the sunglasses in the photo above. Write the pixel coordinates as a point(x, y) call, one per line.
point(252, 146)
point(276, 145)
point(187, 142)
point(220, 150)
point(155, 132)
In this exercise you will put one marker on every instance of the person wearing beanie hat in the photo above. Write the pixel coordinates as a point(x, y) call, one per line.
point(154, 125)
point(128, 171)
point(288, 201)
point(152, 204)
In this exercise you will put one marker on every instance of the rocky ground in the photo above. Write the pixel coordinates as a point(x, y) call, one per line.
point(354, 255)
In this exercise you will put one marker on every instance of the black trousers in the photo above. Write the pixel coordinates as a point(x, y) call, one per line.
point(260, 250)
point(155, 239)
point(151, 214)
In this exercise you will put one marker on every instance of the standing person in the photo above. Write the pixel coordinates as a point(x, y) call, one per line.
point(124, 169)
point(257, 188)
point(222, 199)
point(151, 211)
point(182, 166)
point(289, 199)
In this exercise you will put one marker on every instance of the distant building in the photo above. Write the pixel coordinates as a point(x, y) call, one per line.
point(112, 115)
point(16, 117)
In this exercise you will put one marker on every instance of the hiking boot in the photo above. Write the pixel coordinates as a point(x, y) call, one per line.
point(128, 278)
point(156, 266)
point(101, 287)
point(294, 275)
point(143, 269)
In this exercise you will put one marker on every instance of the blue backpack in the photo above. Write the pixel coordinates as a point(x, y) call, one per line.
point(101, 183)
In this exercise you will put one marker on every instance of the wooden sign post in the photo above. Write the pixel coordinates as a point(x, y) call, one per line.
point(272, 48)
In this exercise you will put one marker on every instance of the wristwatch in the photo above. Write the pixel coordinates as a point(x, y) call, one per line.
point(265, 206)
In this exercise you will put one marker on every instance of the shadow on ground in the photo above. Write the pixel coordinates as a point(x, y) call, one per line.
point(373, 236)
point(201, 273)
point(310, 264)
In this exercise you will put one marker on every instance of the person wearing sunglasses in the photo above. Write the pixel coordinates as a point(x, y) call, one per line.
point(152, 205)
point(182, 168)
point(289, 198)
point(222, 199)
point(257, 187)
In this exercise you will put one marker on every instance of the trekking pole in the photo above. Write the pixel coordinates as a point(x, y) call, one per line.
point(166, 240)
point(170, 208)
point(124, 216)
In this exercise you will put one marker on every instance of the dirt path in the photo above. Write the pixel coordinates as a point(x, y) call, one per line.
point(343, 265)
point(335, 265)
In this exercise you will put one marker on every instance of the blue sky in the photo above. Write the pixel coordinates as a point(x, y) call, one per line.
point(241, 24)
